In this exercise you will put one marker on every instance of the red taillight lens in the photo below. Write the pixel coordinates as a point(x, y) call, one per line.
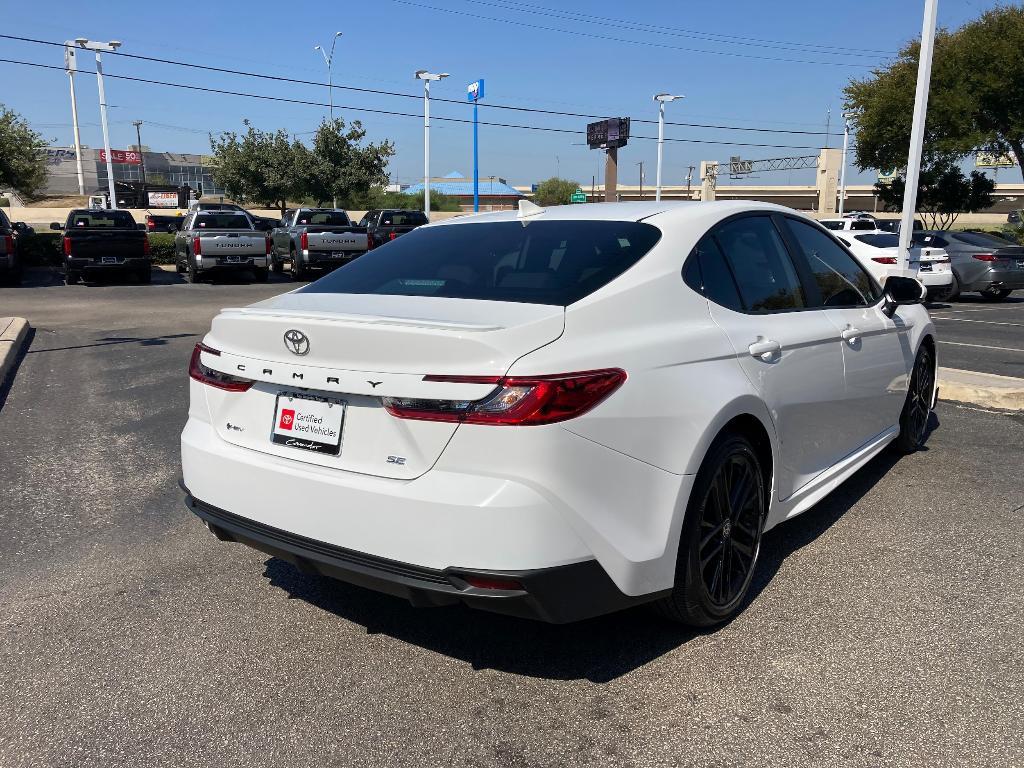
point(266, 246)
point(884, 259)
point(205, 375)
point(197, 246)
point(986, 257)
point(489, 582)
point(516, 400)
point(369, 241)
point(393, 236)
point(150, 224)
point(145, 246)
point(67, 245)
point(304, 241)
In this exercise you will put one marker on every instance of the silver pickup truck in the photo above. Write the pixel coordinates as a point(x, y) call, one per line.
point(316, 239)
point(221, 241)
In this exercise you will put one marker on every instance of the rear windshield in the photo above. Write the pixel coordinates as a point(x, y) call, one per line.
point(326, 217)
point(880, 241)
point(227, 220)
point(109, 219)
point(982, 239)
point(402, 219)
point(833, 225)
point(534, 262)
point(862, 224)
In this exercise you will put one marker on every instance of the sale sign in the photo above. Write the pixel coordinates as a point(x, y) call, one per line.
point(131, 157)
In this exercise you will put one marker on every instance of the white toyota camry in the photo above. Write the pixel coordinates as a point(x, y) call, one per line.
point(559, 412)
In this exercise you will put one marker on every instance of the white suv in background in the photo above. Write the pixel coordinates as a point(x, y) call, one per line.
point(560, 412)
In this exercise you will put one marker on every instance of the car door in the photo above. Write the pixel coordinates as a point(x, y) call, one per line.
point(877, 351)
point(786, 347)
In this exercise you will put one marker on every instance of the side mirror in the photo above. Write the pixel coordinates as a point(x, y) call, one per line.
point(902, 291)
point(54, 225)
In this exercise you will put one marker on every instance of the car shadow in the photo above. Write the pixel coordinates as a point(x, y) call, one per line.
point(600, 649)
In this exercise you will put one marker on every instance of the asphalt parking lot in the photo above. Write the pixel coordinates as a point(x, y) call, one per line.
point(978, 335)
point(885, 629)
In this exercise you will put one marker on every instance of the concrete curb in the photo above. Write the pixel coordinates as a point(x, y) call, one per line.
point(13, 332)
point(984, 389)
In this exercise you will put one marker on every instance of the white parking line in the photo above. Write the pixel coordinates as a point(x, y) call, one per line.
point(985, 322)
point(1001, 308)
point(981, 346)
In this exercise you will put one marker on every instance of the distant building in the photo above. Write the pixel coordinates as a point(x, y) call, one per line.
point(495, 193)
point(171, 168)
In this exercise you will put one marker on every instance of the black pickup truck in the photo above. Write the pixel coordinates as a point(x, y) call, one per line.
point(100, 241)
point(386, 224)
point(10, 259)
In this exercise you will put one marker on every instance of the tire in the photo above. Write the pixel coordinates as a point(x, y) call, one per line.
point(298, 273)
point(918, 406)
point(71, 277)
point(260, 275)
point(1000, 295)
point(179, 267)
point(954, 289)
point(190, 273)
point(713, 572)
point(278, 266)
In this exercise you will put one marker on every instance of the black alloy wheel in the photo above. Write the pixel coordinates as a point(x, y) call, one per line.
point(721, 536)
point(918, 406)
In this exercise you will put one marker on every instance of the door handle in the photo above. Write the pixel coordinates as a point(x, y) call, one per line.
point(765, 349)
point(851, 335)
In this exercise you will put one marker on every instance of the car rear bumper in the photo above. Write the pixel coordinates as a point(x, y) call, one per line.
point(326, 259)
point(142, 262)
point(558, 594)
point(210, 263)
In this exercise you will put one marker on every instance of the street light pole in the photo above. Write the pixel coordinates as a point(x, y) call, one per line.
point(99, 48)
point(842, 171)
point(329, 61)
point(662, 99)
point(641, 164)
point(924, 76)
point(71, 66)
point(427, 77)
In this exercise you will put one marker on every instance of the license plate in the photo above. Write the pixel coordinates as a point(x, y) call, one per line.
point(232, 259)
point(108, 260)
point(926, 267)
point(338, 254)
point(308, 422)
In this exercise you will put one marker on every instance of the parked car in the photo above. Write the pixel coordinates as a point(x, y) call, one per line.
point(10, 257)
point(879, 252)
point(385, 225)
point(263, 223)
point(557, 413)
point(162, 222)
point(893, 225)
point(1015, 217)
point(982, 262)
point(847, 223)
point(320, 239)
point(221, 241)
point(99, 242)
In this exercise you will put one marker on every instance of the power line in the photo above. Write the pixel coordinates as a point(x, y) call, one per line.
point(608, 38)
point(357, 89)
point(711, 37)
point(305, 102)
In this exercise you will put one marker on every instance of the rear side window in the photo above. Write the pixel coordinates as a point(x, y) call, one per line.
point(759, 261)
point(841, 281)
point(833, 225)
point(403, 219)
point(981, 240)
point(707, 272)
point(535, 262)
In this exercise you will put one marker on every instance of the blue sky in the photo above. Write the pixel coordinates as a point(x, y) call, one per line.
point(595, 57)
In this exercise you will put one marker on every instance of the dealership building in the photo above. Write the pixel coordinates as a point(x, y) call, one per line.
point(170, 168)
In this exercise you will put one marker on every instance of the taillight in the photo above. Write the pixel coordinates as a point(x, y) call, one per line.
point(197, 246)
point(986, 257)
point(515, 400)
point(392, 236)
point(145, 246)
point(150, 224)
point(67, 245)
point(205, 375)
point(266, 246)
point(304, 241)
point(884, 259)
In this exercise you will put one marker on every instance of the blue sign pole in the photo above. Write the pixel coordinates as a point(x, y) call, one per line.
point(475, 92)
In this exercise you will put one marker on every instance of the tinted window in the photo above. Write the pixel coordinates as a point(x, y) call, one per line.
point(226, 220)
point(841, 281)
point(707, 272)
point(932, 241)
point(764, 273)
point(538, 262)
point(111, 219)
point(327, 217)
point(403, 219)
point(834, 225)
point(880, 241)
point(862, 224)
point(981, 239)
point(4, 222)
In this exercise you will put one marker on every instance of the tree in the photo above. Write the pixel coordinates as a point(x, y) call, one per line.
point(943, 193)
point(554, 191)
point(343, 169)
point(22, 155)
point(262, 167)
point(377, 197)
point(976, 100)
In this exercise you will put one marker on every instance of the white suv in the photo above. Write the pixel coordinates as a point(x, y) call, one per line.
point(560, 412)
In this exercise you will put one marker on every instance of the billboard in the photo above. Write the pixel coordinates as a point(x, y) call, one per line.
point(991, 160)
point(162, 199)
point(131, 157)
point(607, 134)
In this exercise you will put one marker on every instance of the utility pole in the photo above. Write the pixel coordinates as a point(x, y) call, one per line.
point(71, 65)
point(427, 77)
point(661, 98)
point(689, 179)
point(828, 125)
point(842, 171)
point(924, 76)
point(593, 187)
point(641, 164)
point(99, 48)
point(142, 159)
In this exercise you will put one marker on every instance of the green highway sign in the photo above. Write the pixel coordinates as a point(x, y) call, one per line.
point(578, 196)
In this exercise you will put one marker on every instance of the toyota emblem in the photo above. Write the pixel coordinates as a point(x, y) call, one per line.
point(296, 341)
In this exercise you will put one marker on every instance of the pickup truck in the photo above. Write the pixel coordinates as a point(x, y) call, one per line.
point(163, 222)
point(316, 238)
point(220, 241)
point(103, 241)
point(387, 224)
point(10, 262)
